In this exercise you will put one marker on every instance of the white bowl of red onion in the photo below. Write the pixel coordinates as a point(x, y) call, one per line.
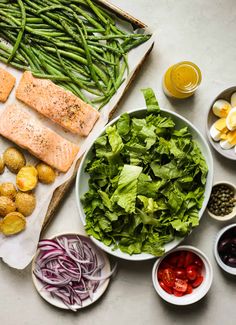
point(70, 272)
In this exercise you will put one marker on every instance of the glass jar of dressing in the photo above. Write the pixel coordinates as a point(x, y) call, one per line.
point(181, 80)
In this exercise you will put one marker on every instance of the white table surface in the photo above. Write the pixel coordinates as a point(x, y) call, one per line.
point(205, 33)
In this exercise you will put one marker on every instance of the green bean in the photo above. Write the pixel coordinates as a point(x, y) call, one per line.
point(89, 59)
point(87, 16)
point(14, 64)
point(96, 11)
point(135, 43)
point(51, 77)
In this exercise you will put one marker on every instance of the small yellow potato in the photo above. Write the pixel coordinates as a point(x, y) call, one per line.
point(6, 206)
point(8, 189)
point(27, 178)
point(13, 159)
point(46, 174)
point(25, 203)
point(13, 223)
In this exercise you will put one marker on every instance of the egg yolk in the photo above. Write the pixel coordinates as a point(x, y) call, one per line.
point(231, 137)
point(220, 125)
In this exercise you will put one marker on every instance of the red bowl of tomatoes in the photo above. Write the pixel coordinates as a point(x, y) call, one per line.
point(182, 276)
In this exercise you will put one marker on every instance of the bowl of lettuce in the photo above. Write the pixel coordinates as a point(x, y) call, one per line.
point(144, 183)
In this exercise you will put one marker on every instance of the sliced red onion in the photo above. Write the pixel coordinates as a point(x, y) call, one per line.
point(68, 268)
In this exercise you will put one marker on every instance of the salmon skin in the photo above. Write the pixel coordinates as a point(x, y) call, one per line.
point(59, 105)
point(7, 82)
point(19, 126)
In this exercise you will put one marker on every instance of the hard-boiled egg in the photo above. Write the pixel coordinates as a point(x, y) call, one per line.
point(230, 141)
point(215, 134)
point(233, 100)
point(231, 119)
point(218, 128)
point(221, 108)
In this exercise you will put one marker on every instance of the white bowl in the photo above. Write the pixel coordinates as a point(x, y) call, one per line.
point(226, 268)
point(229, 216)
point(198, 293)
point(82, 180)
point(101, 258)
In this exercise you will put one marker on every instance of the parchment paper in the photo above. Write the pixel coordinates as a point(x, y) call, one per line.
point(17, 251)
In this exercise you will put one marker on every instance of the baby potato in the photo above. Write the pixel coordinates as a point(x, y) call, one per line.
point(13, 159)
point(6, 206)
point(8, 189)
point(13, 223)
point(2, 165)
point(46, 174)
point(27, 178)
point(25, 203)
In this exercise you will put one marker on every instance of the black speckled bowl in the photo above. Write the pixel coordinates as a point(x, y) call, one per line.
point(211, 119)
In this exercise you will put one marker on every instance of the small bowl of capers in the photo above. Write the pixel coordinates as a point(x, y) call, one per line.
point(222, 202)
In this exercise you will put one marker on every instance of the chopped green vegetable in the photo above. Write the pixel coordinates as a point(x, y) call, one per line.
point(147, 182)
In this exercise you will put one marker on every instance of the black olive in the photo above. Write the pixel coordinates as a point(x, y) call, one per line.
point(224, 245)
point(231, 261)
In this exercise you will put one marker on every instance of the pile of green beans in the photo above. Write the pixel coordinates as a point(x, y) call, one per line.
point(76, 44)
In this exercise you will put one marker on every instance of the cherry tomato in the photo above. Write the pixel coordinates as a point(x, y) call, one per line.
point(189, 259)
point(197, 282)
point(160, 273)
point(168, 277)
point(180, 285)
point(198, 261)
point(164, 287)
point(181, 259)
point(180, 273)
point(172, 259)
point(189, 289)
point(177, 293)
point(192, 272)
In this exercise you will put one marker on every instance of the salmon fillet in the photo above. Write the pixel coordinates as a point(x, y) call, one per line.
point(7, 82)
point(59, 105)
point(19, 126)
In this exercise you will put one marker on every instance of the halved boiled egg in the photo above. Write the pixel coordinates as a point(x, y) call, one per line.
point(221, 108)
point(218, 129)
point(233, 100)
point(229, 141)
point(231, 119)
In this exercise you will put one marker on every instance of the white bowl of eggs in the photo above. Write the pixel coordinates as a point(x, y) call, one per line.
point(221, 123)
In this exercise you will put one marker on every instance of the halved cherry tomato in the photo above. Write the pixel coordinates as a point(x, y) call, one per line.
point(180, 273)
point(192, 272)
point(180, 285)
point(168, 277)
point(181, 259)
point(189, 259)
point(189, 289)
point(177, 293)
point(197, 282)
point(164, 287)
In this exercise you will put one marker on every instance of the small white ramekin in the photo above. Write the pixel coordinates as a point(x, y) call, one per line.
point(229, 216)
point(199, 292)
point(226, 268)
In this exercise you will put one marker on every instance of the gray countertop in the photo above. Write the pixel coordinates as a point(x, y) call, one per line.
point(200, 31)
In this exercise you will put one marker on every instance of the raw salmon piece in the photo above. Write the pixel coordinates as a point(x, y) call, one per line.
point(19, 126)
point(7, 82)
point(57, 104)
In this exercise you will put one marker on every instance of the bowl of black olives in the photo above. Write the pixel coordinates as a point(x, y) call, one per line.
point(222, 202)
point(225, 249)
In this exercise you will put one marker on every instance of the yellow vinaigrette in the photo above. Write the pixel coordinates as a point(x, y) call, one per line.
point(182, 79)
